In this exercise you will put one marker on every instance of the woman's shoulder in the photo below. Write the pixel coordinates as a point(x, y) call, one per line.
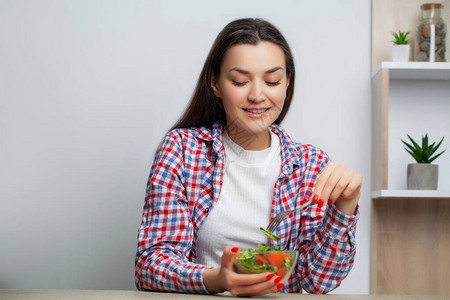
point(309, 148)
point(191, 133)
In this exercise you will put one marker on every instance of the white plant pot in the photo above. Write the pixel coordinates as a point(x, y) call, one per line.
point(400, 52)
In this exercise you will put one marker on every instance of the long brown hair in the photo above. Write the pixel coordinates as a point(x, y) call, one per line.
point(205, 108)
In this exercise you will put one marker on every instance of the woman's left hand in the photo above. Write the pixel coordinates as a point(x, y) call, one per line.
point(338, 184)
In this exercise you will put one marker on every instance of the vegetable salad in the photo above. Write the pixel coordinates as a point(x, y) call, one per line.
point(266, 259)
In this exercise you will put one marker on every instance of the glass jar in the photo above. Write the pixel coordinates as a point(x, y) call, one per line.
point(431, 35)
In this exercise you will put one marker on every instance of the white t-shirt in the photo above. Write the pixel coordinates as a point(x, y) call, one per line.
point(244, 204)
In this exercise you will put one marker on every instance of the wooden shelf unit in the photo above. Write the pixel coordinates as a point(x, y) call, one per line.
point(410, 238)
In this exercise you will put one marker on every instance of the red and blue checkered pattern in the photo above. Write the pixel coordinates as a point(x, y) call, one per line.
point(185, 182)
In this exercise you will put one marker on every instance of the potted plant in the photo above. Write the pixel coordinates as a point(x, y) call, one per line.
point(423, 175)
point(400, 50)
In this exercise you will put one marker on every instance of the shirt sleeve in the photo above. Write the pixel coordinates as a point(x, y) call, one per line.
point(166, 232)
point(326, 243)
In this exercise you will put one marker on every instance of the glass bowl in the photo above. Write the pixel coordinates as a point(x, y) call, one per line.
point(280, 263)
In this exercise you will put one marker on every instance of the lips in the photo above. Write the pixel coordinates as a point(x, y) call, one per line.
point(256, 110)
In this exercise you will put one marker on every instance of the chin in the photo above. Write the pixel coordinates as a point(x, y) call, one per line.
point(258, 127)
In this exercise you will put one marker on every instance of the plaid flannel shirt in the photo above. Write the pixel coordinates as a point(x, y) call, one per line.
point(185, 182)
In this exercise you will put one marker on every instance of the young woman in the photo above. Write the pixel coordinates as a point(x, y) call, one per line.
point(227, 167)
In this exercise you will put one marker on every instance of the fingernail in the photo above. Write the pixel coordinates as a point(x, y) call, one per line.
point(315, 198)
point(330, 202)
point(270, 276)
point(235, 249)
point(278, 279)
point(280, 285)
point(342, 196)
point(320, 203)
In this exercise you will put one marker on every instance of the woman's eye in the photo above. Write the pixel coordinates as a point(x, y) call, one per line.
point(273, 83)
point(238, 83)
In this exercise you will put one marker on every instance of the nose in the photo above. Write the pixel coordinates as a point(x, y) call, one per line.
point(256, 92)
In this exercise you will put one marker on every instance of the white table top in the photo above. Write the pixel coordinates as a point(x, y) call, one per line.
point(130, 295)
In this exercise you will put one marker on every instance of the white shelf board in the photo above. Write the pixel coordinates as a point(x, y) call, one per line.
point(411, 194)
point(416, 70)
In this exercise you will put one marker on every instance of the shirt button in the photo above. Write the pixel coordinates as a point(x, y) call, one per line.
point(206, 210)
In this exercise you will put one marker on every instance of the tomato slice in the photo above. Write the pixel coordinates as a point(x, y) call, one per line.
point(277, 259)
point(282, 271)
point(260, 260)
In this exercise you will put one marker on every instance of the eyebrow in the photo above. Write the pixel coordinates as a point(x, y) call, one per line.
point(247, 72)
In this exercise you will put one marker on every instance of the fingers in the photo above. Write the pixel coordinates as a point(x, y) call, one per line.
point(342, 179)
point(249, 285)
point(352, 182)
point(337, 181)
point(325, 184)
point(321, 181)
point(334, 183)
point(228, 256)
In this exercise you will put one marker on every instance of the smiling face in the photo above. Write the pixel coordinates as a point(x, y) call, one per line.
point(252, 85)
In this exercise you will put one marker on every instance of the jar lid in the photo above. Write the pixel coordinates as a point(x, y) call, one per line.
point(431, 5)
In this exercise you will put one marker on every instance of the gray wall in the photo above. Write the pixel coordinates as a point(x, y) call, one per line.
point(87, 91)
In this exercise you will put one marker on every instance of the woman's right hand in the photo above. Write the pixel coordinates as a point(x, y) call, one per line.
point(225, 278)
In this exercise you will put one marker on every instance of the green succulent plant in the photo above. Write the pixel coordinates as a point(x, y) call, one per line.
point(423, 155)
point(400, 38)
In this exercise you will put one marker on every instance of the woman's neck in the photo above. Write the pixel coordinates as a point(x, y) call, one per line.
point(250, 140)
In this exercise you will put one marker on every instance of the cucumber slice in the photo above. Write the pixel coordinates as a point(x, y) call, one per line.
point(270, 234)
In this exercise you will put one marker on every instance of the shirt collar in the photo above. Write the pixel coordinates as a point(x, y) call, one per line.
point(290, 158)
point(214, 135)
